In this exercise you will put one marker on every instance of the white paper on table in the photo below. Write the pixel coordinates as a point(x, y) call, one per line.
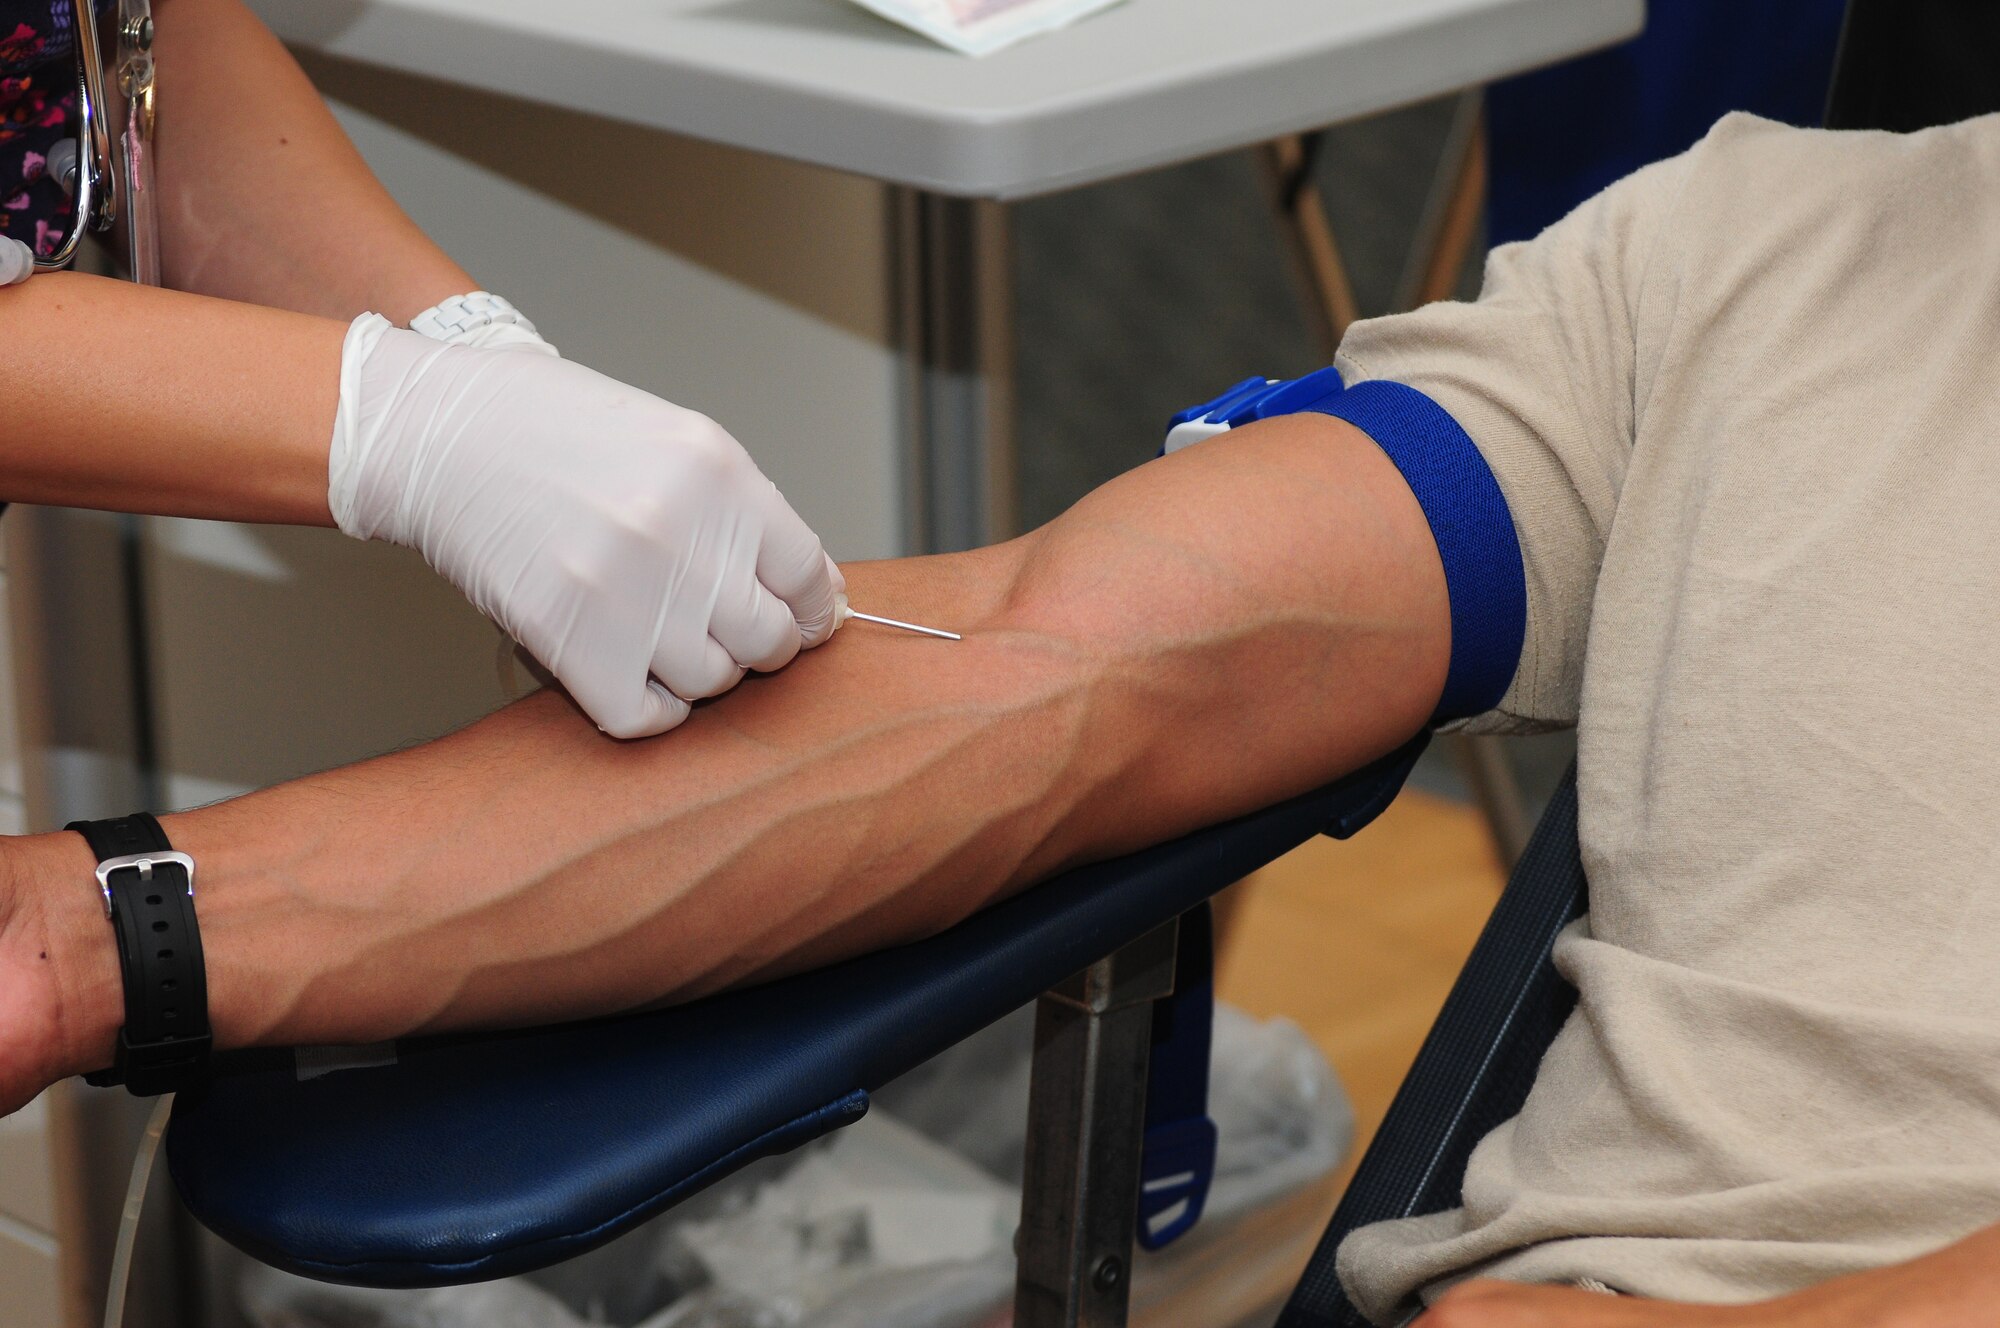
point(981, 27)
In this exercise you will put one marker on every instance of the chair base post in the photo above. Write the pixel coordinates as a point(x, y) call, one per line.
point(1086, 1129)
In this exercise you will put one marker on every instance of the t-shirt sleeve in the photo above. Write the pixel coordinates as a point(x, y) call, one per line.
point(1542, 373)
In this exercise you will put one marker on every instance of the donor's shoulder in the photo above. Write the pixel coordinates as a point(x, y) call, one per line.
point(1748, 157)
point(1802, 216)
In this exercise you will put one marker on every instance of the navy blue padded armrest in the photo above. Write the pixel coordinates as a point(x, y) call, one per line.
point(480, 1157)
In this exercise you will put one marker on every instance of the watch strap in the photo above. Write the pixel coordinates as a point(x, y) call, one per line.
point(149, 897)
point(478, 318)
point(122, 835)
point(17, 261)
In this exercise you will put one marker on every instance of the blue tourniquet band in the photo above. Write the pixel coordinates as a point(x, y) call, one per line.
point(1474, 531)
point(1468, 514)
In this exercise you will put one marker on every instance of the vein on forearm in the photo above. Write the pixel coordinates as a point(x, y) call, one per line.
point(703, 859)
point(788, 849)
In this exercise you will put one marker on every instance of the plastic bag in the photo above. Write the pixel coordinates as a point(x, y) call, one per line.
point(272, 1299)
point(880, 1228)
point(1283, 1118)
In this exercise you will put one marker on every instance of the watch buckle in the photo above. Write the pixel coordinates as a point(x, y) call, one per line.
point(144, 864)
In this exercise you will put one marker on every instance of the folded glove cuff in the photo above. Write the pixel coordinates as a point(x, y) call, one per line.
point(345, 454)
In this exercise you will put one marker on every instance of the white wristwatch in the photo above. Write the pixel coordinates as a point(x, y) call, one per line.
point(17, 261)
point(480, 319)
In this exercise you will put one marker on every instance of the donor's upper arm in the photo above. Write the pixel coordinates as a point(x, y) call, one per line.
point(1542, 374)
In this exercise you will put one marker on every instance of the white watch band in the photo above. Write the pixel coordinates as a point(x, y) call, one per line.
point(462, 317)
point(17, 261)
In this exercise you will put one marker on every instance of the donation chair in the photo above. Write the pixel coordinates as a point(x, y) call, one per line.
point(457, 1159)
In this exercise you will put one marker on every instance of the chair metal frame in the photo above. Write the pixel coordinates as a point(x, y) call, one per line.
point(1086, 1127)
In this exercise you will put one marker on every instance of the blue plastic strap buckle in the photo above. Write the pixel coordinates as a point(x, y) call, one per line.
point(1177, 1162)
point(1251, 399)
point(1461, 499)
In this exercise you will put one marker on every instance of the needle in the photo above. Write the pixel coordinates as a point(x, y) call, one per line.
point(908, 627)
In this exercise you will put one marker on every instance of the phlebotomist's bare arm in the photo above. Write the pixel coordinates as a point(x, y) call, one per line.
point(213, 403)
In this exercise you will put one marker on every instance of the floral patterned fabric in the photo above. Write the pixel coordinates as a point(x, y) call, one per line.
point(37, 109)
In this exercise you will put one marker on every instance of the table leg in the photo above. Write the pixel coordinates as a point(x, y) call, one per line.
point(83, 683)
point(1450, 221)
point(1310, 244)
point(955, 310)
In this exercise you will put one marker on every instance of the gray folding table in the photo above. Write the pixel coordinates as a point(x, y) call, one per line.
point(1145, 84)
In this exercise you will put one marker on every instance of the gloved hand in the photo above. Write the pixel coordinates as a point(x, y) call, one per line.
point(613, 534)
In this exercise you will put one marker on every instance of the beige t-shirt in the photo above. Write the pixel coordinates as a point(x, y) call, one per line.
point(1745, 408)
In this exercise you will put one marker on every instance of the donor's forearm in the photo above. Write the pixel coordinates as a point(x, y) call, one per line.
point(1208, 634)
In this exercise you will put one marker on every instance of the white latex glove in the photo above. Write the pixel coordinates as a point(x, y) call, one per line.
point(632, 546)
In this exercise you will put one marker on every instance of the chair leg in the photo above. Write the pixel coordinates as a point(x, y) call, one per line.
point(1484, 766)
point(1086, 1127)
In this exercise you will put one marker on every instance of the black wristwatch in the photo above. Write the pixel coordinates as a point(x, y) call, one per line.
point(149, 898)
